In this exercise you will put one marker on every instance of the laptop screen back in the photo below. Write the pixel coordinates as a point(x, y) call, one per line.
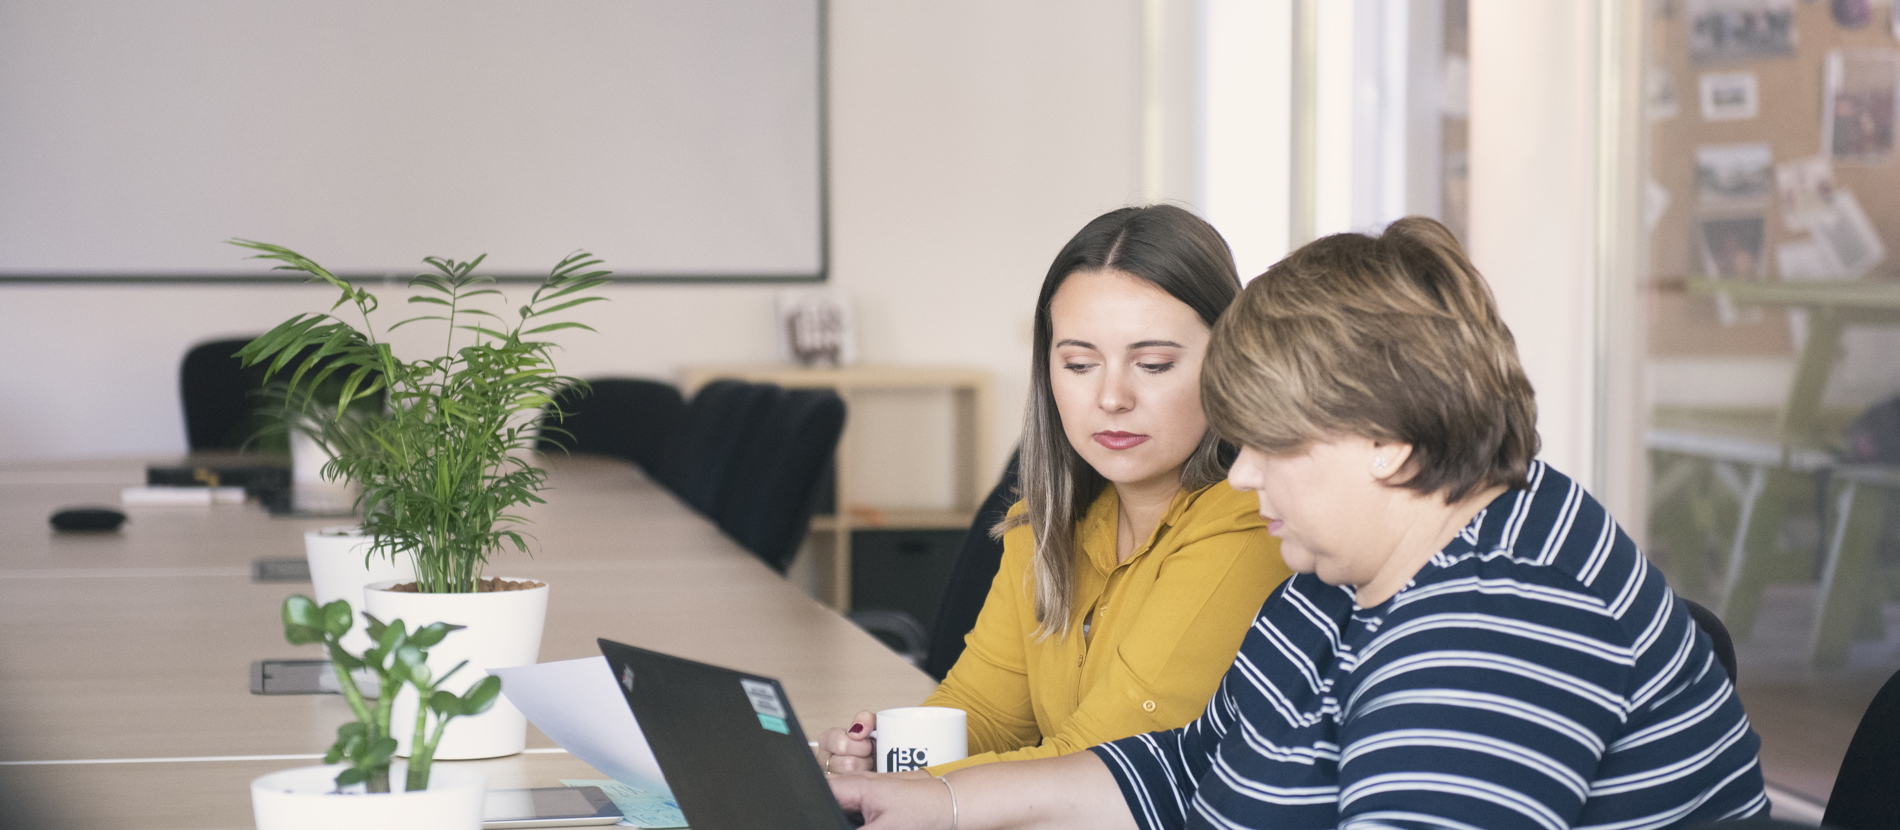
point(730, 746)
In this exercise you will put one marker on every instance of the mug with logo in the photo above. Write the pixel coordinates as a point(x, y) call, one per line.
point(915, 737)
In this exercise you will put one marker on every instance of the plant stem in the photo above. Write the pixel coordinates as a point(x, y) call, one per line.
point(350, 692)
point(378, 781)
point(421, 753)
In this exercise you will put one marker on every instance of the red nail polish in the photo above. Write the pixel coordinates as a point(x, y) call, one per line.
point(857, 728)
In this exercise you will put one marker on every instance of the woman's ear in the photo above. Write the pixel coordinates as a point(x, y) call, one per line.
point(1389, 457)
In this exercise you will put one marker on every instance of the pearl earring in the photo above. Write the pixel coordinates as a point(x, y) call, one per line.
point(1378, 463)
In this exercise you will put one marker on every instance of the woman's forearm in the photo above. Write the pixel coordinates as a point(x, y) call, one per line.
point(1069, 791)
point(1073, 791)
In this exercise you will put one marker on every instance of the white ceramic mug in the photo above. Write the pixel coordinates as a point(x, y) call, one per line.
point(915, 737)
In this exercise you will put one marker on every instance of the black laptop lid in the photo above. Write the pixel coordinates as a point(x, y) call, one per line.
point(727, 741)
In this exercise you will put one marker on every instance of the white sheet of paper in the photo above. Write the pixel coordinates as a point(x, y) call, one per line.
point(577, 704)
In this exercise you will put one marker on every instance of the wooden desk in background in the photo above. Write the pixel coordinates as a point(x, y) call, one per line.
point(1801, 444)
point(124, 669)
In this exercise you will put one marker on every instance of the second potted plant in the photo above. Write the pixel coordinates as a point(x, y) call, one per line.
point(356, 788)
point(443, 468)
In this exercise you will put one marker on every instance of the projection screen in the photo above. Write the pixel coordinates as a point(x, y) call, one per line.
point(676, 139)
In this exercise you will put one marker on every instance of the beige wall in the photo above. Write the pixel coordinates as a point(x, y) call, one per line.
point(968, 141)
point(1532, 204)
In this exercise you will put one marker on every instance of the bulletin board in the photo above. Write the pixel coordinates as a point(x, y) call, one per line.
point(1746, 125)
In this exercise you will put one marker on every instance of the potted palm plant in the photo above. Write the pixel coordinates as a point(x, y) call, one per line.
point(441, 470)
point(355, 787)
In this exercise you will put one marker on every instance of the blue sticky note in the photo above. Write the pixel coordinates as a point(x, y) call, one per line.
point(642, 808)
point(774, 724)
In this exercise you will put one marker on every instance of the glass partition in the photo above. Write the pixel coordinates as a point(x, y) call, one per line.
point(1773, 336)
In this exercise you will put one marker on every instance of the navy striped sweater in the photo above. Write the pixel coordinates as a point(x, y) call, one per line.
point(1536, 673)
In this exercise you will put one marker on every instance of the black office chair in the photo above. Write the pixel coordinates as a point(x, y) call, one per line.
point(769, 499)
point(1865, 796)
point(625, 418)
point(1719, 638)
point(220, 396)
point(226, 407)
point(977, 563)
point(700, 456)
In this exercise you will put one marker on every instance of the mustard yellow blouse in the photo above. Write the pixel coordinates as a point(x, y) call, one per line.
point(1165, 626)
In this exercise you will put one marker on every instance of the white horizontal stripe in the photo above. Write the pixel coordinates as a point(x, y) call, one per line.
point(1457, 785)
point(1505, 587)
point(1392, 818)
point(1405, 739)
point(1575, 686)
point(1591, 646)
point(1486, 701)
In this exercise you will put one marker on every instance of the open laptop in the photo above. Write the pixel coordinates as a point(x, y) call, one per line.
point(727, 741)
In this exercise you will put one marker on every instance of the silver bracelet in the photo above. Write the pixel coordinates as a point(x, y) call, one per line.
point(945, 778)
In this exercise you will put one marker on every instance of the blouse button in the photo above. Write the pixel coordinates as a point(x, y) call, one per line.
point(1078, 660)
point(1148, 705)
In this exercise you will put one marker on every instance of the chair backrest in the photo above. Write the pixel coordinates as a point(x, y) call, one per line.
point(977, 563)
point(219, 396)
point(1865, 796)
point(622, 417)
point(1719, 638)
point(718, 420)
point(767, 504)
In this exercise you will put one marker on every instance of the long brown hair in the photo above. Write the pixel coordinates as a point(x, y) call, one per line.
point(1180, 254)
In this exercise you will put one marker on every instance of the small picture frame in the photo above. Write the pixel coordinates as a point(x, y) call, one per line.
point(1861, 96)
point(1736, 30)
point(1729, 96)
point(1659, 94)
point(1734, 175)
point(816, 328)
point(1733, 246)
point(1807, 190)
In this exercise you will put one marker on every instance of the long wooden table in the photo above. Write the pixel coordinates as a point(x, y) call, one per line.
point(124, 665)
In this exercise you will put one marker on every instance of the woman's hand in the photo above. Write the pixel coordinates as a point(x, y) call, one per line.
point(890, 802)
point(850, 750)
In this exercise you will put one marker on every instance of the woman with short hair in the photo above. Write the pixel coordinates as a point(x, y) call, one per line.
point(1130, 568)
point(1470, 640)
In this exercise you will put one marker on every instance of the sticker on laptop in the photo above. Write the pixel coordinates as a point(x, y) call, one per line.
point(774, 724)
point(764, 701)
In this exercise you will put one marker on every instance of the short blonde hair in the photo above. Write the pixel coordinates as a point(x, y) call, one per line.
point(1391, 338)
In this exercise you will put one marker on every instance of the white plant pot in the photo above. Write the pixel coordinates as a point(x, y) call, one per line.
point(305, 798)
point(338, 571)
point(504, 630)
point(310, 493)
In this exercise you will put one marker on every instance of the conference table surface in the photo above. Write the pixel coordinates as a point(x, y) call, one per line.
point(125, 665)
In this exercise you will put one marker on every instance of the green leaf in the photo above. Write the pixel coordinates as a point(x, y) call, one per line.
point(351, 775)
point(373, 627)
point(567, 305)
point(303, 623)
point(336, 618)
point(481, 696)
point(558, 326)
point(428, 635)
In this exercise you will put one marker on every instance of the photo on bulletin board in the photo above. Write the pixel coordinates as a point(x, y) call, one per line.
point(1847, 236)
point(1732, 30)
point(1862, 93)
point(1733, 245)
point(1729, 96)
point(1659, 94)
point(1734, 175)
point(1807, 190)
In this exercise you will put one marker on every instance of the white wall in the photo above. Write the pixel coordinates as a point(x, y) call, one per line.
point(968, 141)
point(1532, 201)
